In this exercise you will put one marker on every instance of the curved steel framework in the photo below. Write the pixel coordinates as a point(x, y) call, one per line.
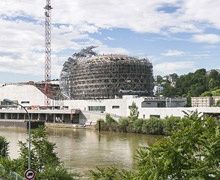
point(87, 75)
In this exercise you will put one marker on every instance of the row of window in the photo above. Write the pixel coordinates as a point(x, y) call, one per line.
point(100, 108)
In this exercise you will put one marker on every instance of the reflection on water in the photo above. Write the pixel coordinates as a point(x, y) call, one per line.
point(81, 149)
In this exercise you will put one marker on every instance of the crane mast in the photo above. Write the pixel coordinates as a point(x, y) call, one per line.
point(47, 73)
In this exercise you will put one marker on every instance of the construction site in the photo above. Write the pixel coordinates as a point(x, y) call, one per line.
point(90, 86)
point(87, 75)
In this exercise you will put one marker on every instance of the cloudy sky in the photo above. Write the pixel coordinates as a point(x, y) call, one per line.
point(176, 35)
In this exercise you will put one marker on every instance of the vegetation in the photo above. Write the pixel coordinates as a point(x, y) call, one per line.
point(191, 152)
point(192, 84)
point(133, 124)
point(43, 159)
point(154, 126)
point(3, 147)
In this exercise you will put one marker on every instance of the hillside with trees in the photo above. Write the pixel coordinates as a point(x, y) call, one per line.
point(199, 83)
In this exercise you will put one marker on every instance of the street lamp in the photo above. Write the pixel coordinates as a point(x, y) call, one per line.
point(29, 129)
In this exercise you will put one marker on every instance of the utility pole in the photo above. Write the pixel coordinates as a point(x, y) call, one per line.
point(47, 72)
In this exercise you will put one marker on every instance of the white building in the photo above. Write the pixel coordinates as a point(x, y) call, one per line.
point(207, 101)
point(29, 95)
point(158, 89)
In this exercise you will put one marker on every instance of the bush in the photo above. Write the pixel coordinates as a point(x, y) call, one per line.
point(153, 126)
point(109, 119)
point(137, 126)
point(111, 173)
point(103, 125)
point(3, 147)
point(123, 124)
point(190, 153)
point(171, 124)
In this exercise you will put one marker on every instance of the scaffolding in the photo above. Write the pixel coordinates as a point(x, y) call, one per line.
point(87, 75)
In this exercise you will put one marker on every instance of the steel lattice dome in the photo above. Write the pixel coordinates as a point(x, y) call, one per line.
point(87, 75)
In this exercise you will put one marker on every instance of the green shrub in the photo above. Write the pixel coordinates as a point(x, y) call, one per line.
point(171, 124)
point(109, 119)
point(153, 126)
point(123, 124)
point(3, 147)
point(137, 126)
point(190, 153)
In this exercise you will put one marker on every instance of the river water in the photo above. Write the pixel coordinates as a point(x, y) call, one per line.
point(83, 149)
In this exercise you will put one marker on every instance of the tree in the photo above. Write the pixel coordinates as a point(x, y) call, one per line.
point(134, 113)
point(3, 147)
point(191, 152)
point(43, 158)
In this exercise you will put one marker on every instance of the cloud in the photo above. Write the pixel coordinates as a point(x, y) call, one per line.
point(117, 13)
point(207, 38)
point(173, 52)
point(109, 38)
point(174, 67)
point(22, 31)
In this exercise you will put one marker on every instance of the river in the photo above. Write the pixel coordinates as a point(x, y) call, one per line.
point(83, 149)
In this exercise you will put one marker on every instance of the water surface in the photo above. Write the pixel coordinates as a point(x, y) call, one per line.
point(82, 150)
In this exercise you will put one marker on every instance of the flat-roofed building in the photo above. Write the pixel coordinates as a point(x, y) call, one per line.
point(202, 101)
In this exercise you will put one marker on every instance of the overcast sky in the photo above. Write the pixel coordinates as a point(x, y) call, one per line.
point(176, 35)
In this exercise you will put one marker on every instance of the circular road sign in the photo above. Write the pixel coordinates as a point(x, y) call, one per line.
point(29, 174)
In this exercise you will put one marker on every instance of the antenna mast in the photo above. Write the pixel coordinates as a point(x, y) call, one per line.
point(47, 72)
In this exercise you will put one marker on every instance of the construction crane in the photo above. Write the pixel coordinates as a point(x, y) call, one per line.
point(47, 72)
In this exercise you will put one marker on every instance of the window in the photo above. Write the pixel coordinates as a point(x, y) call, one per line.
point(115, 107)
point(154, 116)
point(96, 108)
point(25, 102)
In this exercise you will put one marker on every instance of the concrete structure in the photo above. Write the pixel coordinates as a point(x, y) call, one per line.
point(207, 101)
point(90, 110)
point(120, 107)
point(68, 116)
point(25, 94)
point(201, 101)
point(87, 75)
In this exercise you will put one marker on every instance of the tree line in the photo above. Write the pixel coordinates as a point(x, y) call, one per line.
point(190, 85)
point(133, 124)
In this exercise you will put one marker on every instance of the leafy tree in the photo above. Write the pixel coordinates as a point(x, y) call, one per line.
point(207, 93)
point(134, 113)
point(153, 126)
point(43, 158)
point(109, 119)
point(191, 152)
point(213, 74)
point(159, 79)
point(171, 124)
point(110, 173)
point(3, 147)
point(123, 124)
point(192, 84)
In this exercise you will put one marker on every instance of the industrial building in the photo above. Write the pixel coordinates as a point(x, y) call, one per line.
point(89, 110)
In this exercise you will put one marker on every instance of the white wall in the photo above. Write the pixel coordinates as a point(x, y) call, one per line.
point(22, 93)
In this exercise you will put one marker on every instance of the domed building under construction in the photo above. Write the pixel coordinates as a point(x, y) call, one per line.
point(88, 75)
